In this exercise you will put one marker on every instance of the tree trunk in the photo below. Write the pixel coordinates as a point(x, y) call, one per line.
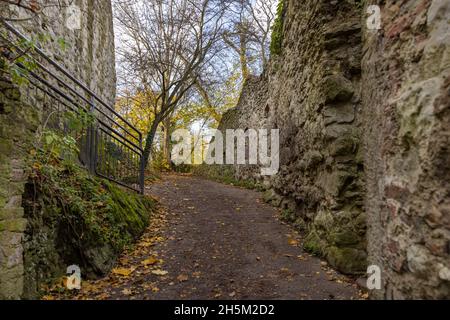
point(166, 141)
point(149, 142)
point(243, 56)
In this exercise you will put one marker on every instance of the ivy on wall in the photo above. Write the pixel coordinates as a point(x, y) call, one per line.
point(277, 30)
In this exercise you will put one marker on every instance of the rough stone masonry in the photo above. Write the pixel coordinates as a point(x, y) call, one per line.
point(89, 57)
point(364, 119)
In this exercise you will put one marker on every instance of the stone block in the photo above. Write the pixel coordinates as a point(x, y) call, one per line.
point(339, 114)
point(6, 146)
point(13, 255)
point(11, 282)
point(344, 237)
point(336, 130)
point(10, 213)
point(347, 260)
point(13, 202)
point(337, 88)
point(13, 225)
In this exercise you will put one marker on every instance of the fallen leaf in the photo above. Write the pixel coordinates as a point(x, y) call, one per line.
point(64, 281)
point(149, 261)
point(232, 294)
point(103, 296)
point(365, 296)
point(123, 271)
point(293, 242)
point(145, 244)
point(126, 292)
point(159, 272)
point(182, 278)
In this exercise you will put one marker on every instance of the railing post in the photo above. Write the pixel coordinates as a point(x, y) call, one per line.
point(91, 141)
point(142, 167)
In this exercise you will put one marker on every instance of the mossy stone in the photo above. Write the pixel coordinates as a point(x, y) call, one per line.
point(337, 88)
point(347, 260)
point(314, 244)
point(13, 225)
point(344, 237)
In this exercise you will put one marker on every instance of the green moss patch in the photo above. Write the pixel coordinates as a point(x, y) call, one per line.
point(75, 218)
point(225, 174)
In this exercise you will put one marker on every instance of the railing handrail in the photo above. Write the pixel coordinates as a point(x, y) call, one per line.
point(78, 97)
point(70, 76)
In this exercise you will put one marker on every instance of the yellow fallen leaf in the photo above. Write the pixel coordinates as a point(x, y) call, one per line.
point(64, 281)
point(145, 244)
point(103, 296)
point(123, 271)
point(160, 272)
point(293, 242)
point(149, 261)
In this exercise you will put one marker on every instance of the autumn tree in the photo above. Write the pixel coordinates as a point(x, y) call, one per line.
point(248, 32)
point(166, 44)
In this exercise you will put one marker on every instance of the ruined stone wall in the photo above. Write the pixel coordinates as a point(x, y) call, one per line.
point(406, 88)
point(89, 54)
point(364, 137)
point(311, 94)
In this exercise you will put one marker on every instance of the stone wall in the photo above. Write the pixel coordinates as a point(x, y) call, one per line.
point(311, 93)
point(406, 77)
point(90, 56)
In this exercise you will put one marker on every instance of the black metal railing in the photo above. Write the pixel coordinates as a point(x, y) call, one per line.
point(110, 146)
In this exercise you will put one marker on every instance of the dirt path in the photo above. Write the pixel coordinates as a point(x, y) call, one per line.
point(219, 242)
